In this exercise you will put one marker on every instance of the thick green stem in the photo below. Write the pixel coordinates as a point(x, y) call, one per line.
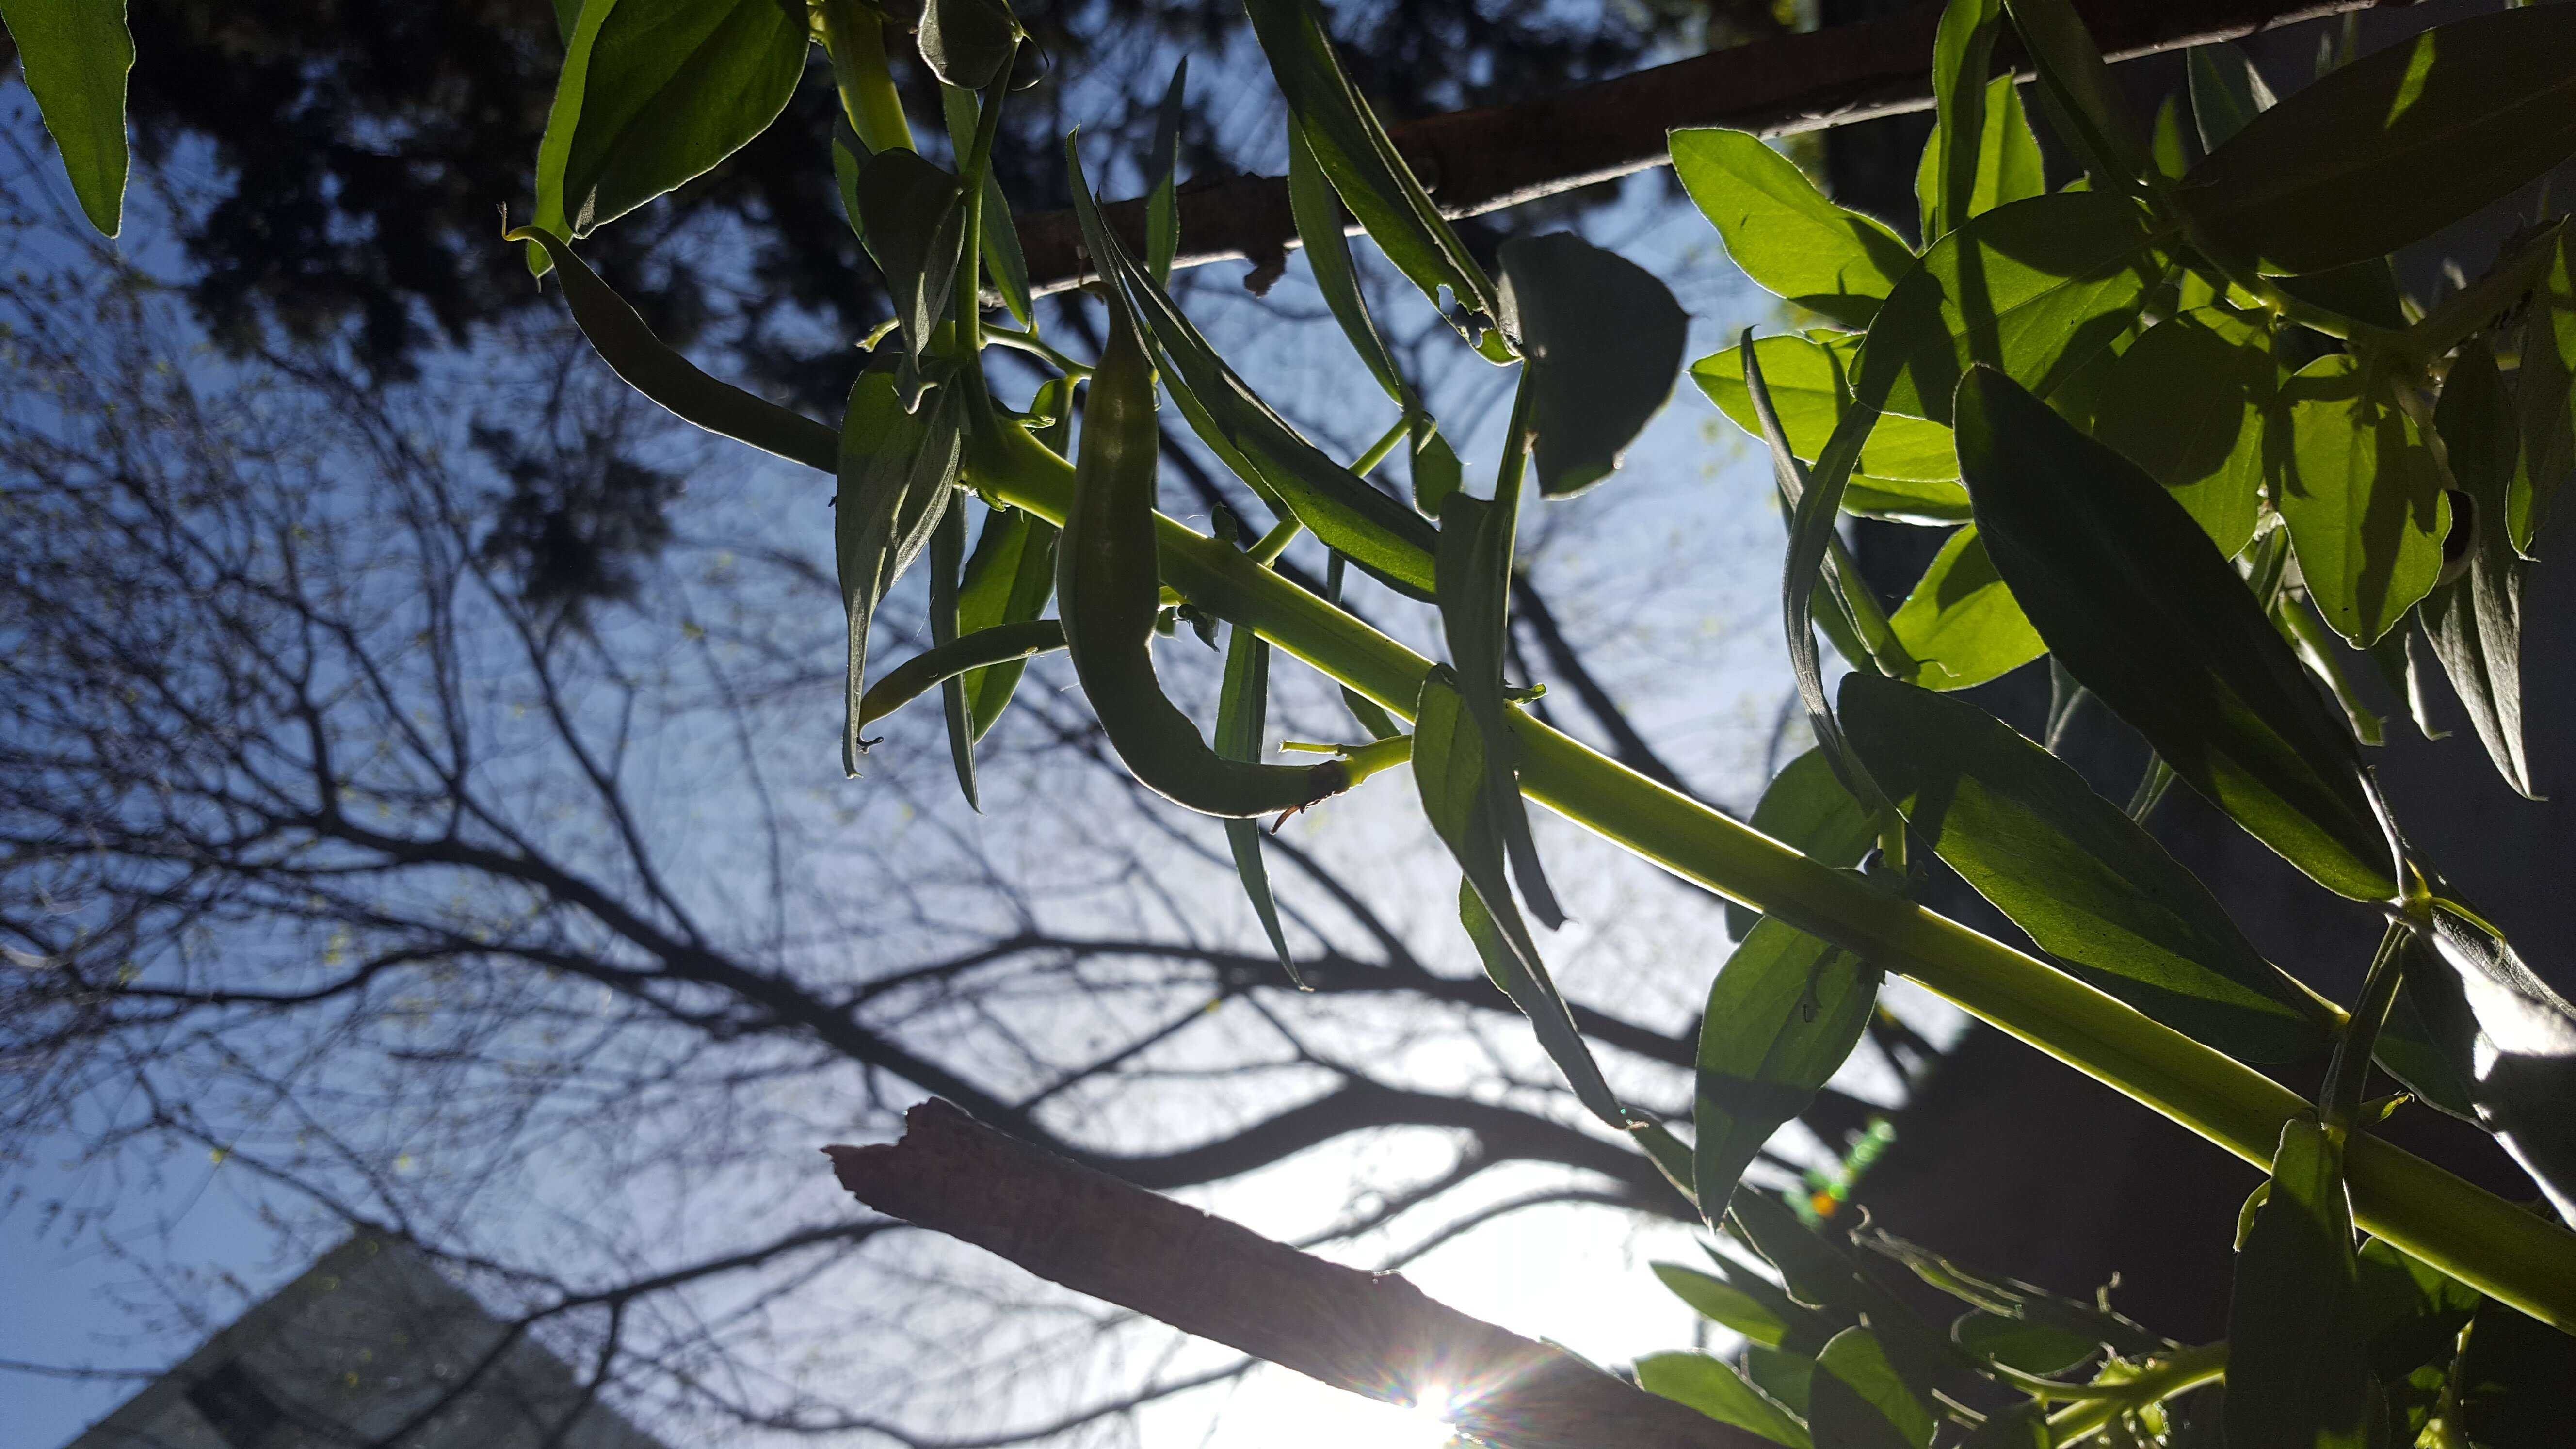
point(2454, 1226)
point(2179, 1374)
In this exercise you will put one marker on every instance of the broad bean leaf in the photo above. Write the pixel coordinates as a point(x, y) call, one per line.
point(2475, 620)
point(2513, 1380)
point(1962, 55)
point(1807, 376)
point(896, 468)
point(2545, 398)
point(1717, 1390)
point(947, 562)
point(2362, 495)
point(2018, 1343)
point(2011, 1298)
point(2227, 91)
point(967, 43)
point(2008, 162)
point(912, 217)
point(1808, 1329)
point(2411, 1317)
point(654, 93)
point(1453, 778)
point(75, 54)
point(1366, 712)
point(2094, 890)
point(1816, 1273)
point(1859, 1401)
point(2315, 645)
point(1318, 216)
point(1783, 1013)
point(1242, 710)
point(2089, 108)
point(1783, 232)
point(1959, 626)
point(2396, 145)
point(2187, 402)
point(2144, 611)
point(2297, 1369)
point(1364, 166)
point(1009, 578)
point(2509, 1037)
point(1162, 165)
point(1385, 538)
point(1603, 341)
point(1475, 590)
point(2035, 288)
point(2402, 668)
point(650, 366)
point(1437, 473)
point(1805, 807)
point(1723, 1303)
point(2021, 1426)
point(1788, 1376)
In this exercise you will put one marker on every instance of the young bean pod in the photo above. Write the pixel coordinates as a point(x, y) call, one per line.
point(1108, 591)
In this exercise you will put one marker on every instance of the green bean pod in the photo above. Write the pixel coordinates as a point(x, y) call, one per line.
point(982, 649)
point(1108, 589)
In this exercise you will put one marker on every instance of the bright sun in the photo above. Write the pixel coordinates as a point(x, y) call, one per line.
point(1277, 1409)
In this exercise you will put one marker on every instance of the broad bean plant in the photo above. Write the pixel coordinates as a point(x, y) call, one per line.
point(2187, 432)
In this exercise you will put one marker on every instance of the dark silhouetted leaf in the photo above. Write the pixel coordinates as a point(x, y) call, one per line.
point(1318, 215)
point(1242, 709)
point(912, 218)
point(2297, 1373)
point(947, 561)
point(2545, 398)
point(2394, 146)
point(967, 43)
point(896, 467)
point(1783, 1013)
point(1858, 1401)
point(1603, 340)
point(2142, 610)
point(2226, 92)
point(2033, 1348)
point(2093, 889)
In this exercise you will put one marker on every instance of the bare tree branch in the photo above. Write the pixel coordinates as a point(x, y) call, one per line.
point(1368, 1333)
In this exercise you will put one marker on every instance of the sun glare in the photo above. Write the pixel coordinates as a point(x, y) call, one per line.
point(1283, 1410)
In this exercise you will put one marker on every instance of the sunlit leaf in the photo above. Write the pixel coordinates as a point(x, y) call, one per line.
point(1959, 626)
point(1857, 1400)
point(2186, 402)
point(1603, 340)
point(2094, 890)
point(2396, 145)
point(1807, 378)
point(74, 55)
point(1475, 590)
point(2035, 288)
point(1783, 232)
point(2227, 91)
point(1783, 1013)
point(2142, 609)
point(1723, 1303)
point(2008, 161)
point(2297, 1373)
point(2475, 620)
point(1717, 1390)
point(1787, 1376)
point(2362, 496)
point(1009, 578)
point(2510, 1037)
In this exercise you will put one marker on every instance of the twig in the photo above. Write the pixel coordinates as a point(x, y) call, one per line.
point(1368, 1333)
